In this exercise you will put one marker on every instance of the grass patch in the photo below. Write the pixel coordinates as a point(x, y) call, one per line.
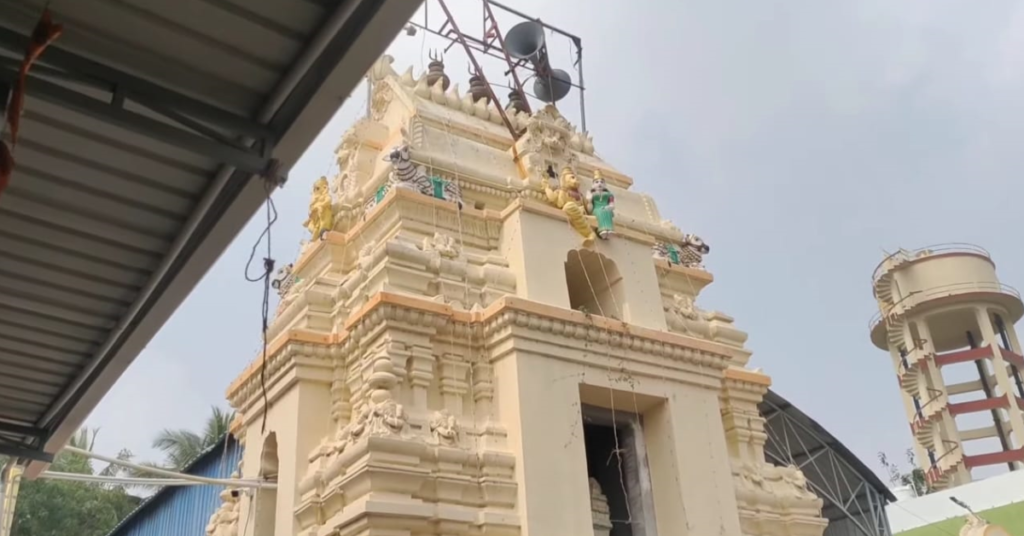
point(1010, 517)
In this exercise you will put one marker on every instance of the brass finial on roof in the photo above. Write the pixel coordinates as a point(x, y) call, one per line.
point(477, 87)
point(517, 102)
point(435, 71)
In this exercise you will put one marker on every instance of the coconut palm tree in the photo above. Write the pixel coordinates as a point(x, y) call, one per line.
point(182, 446)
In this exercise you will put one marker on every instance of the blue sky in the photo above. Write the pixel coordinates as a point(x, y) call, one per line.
point(799, 138)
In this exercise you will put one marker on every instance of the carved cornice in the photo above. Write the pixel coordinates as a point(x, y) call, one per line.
point(625, 227)
point(510, 311)
point(281, 353)
point(747, 380)
point(611, 334)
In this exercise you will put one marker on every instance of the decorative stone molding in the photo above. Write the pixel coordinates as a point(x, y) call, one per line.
point(382, 416)
point(445, 428)
point(408, 472)
point(783, 488)
point(771, 499)
point(744, 426)
point(508, 312)
point(599, 510)
point(684, 316)
point(282, 354)
point(224, 522)
point(444, 245)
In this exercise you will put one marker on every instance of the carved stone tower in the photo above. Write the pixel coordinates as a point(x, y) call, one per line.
point(474, 345)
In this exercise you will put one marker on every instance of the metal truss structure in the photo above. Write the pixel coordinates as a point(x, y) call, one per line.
point(853, 495)
point(491, 42)
point(105, 93)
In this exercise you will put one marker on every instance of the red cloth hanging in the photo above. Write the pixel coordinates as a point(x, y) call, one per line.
point(45, 32)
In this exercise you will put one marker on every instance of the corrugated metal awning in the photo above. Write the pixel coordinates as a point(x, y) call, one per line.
point(148, 128)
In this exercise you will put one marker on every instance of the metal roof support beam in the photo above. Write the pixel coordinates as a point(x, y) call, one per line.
point(92, 73)
point(876, 504)
point(780, 450)
point(334, 39)
point(250, 161)
point(24, 453)
point(812, 433)
point(22, 430)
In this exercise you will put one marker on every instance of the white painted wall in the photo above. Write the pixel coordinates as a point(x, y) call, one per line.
point(981, 495)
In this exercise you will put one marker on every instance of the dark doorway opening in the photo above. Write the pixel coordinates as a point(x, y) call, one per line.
point(616, 458)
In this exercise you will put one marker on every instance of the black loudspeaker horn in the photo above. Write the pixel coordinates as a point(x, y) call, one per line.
point(525, 41)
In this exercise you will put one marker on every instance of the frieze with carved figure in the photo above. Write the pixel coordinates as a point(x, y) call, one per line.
point(406, 174)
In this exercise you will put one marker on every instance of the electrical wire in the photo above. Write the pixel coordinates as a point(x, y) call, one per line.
point(268, 270)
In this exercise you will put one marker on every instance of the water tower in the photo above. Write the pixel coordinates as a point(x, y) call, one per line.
point(947, 322)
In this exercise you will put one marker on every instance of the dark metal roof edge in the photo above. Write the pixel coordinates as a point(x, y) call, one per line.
point(166, 490)
point(830, 441)
point(238, 199)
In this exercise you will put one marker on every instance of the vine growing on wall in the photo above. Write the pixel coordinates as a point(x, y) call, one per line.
point(897, 477)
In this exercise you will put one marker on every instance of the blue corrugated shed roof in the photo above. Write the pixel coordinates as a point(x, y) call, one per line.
point(184, 510)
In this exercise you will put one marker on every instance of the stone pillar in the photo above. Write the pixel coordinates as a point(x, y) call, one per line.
point(1002, 375)
point(341, 406)
point(933, 376)
point(483, 389)
point(454, 385)
point(1011, 333)
point(760, 485)
point(421, 374)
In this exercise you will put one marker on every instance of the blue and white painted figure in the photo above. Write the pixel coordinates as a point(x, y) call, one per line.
point(690, 254)
point(405, 174)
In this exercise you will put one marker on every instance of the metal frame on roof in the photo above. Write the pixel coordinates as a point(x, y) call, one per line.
point(87, 87)
point(106, 93)
point(851, 491)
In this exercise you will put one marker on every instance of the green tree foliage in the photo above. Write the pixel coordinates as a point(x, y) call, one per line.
point(182, 446)
point(915, 478)
point(47, 507)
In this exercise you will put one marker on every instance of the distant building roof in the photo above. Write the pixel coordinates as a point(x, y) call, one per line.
point(184, 510)
point(853, 493)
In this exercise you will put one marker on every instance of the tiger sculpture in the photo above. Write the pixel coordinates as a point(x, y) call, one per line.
point(405, 174)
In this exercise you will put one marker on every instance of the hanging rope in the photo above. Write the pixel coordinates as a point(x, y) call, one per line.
point(265, 276)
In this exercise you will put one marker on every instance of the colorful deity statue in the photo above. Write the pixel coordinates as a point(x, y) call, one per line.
point(568, 198)
point(689, 254)
point(321, 213)
point(601, 203)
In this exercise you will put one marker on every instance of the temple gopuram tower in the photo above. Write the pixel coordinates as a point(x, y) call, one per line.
point(490, 336)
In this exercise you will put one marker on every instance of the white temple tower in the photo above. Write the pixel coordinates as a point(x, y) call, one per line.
point(947, 323)
point(437, 371)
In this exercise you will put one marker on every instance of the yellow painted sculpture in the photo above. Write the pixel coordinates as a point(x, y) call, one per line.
point(568, 198)
point(321, 213)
